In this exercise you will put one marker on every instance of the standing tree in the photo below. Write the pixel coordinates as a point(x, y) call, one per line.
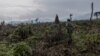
point(3, 23)
point(57, 19)
point(31, 21)
point(97, 14)
point(71, 17)
point(69, 31)
point(36, 20)
point(92, 9)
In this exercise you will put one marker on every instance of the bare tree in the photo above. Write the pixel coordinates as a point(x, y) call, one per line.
point(3, 23)
point(36, 20)
point(31, 21)
point(71, 17)
point(92, 9)
point(97, 14)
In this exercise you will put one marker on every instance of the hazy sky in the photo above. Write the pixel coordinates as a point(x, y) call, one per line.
point(44, 9)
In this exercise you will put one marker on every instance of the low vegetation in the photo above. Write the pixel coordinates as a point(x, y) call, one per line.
point(50, 39)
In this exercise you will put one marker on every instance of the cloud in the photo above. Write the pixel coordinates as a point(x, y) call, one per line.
point(17, 9)
point(44, 9)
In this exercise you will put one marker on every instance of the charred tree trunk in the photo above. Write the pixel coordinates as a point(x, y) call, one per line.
point(92, 9)
point(97, 17)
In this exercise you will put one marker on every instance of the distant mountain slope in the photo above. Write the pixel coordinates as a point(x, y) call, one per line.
point(84, 17)
point(81, 17)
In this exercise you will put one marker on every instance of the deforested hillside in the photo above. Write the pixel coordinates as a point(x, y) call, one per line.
point(72, 38)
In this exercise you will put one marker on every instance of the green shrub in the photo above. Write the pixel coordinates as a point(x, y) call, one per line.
point(3, 50)
point(20, 34)
point(21, 49)
point(31, 41)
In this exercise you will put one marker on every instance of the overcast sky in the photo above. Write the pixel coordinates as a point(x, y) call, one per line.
point(11, 10)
